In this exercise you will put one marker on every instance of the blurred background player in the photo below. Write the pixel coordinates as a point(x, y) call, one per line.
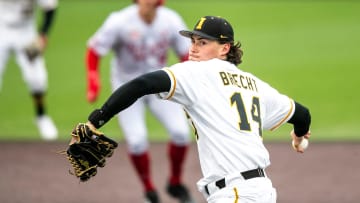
point(19, 36)
point(140, 36)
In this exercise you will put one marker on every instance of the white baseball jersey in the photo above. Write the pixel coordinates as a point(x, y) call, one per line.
point(17, 13)
point(139, 47)
point(18, 30)
point(228, 108)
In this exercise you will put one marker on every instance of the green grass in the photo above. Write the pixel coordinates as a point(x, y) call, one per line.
point(307, 50)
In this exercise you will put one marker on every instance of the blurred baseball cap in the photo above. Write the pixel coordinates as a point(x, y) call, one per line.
point(213, 28)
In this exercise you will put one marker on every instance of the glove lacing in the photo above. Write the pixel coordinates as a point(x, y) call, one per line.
point(78, 171)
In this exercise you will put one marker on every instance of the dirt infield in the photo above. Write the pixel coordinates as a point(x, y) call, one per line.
point(34, 173)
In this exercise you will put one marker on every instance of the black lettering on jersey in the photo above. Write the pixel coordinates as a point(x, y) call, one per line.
point(224, 78)
point(241, 81)
point(254, 84)
point(242, 78)
point(235, 79)
point(230, 76)
point(250, 85)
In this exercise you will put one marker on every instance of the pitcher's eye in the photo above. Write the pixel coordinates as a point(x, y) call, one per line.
point(202, 42)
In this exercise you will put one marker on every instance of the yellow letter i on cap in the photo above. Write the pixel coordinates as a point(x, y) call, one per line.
point(200, 24)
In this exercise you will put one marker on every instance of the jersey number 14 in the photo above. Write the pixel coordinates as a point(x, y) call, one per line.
point(244, 124)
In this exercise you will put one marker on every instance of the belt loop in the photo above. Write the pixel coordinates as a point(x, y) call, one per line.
point(261, 172)
point(207, 190)
point(220, 183)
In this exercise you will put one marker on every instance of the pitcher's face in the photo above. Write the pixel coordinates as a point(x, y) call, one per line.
point(202, 49)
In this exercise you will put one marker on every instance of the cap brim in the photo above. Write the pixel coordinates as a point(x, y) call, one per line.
point(189, 34)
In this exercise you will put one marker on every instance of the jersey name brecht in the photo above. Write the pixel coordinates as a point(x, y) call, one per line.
point(241, 81)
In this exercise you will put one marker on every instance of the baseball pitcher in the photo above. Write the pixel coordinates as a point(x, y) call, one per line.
point(229, 109)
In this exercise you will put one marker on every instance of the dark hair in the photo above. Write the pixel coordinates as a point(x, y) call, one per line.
point(235, 53)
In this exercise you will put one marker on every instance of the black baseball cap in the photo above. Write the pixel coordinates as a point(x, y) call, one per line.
point(213, 28)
